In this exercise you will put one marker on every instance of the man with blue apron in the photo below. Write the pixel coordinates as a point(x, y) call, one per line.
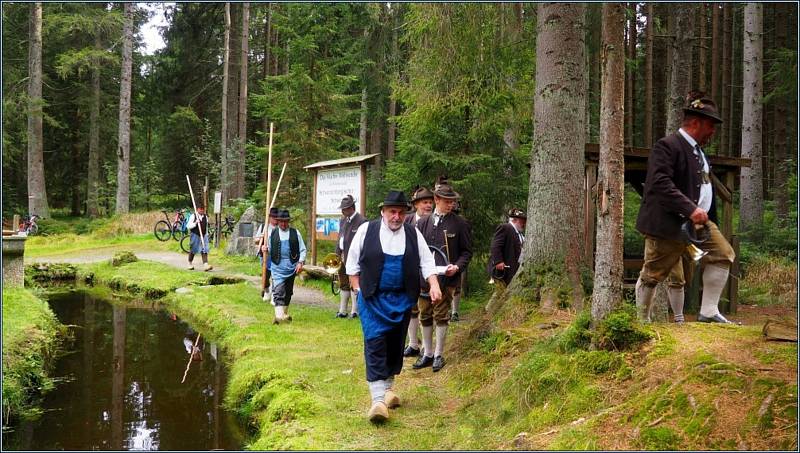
point(287, 252)
point(385, 262)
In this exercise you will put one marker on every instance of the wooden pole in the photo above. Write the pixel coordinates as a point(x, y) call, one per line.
point(266, 211)
point(194, 205)
point(312, 224)
point(277, 186)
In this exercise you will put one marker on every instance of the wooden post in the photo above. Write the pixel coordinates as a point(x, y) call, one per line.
point(312, 227)
point(733, 279)
point(363, 190)
point(15, 224)
point(591, 216)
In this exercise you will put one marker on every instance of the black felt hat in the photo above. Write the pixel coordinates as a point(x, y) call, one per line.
point(395, 198)
point(273, 212)
point(347, 202)
point(699, 104)
point(283, 214)
point(517, 213)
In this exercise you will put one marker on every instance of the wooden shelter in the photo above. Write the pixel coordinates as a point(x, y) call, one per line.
point(725, 171)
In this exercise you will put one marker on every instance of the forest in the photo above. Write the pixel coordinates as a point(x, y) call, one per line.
point(552, 108)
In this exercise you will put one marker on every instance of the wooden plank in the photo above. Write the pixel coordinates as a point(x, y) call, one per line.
point(633, 154)
point(727, 213)
point(633, 263)
point(312, 229)
point(720, 188)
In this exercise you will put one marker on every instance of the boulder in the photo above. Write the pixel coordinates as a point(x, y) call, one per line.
point(241, 240)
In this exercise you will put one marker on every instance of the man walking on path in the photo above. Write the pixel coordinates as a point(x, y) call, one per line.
point(677, 188)
point(197, 225)
point(385, 263)
point(423, 205)
point(287, 252)
point(263, 247)
point(451, 234)
point(348, 225)
point(506, 247)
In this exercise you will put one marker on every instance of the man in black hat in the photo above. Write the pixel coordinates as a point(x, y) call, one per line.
point(258, 239)
point(348, 225)
point(287, 253)
point(423, 205)
point(452, 235)
point(386, 262)
point(507, 246)
point(678, 187)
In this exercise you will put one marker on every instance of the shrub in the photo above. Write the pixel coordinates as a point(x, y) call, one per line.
point(123, 257)
point(620, 330)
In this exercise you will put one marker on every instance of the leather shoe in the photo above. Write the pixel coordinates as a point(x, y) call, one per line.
point(438, 363)
point(392, 400)
point(378, 413)
point(410, 351)
point(353, 315)
point(422, 362)
point(454, 317)
point(718, 318)
point(340, 315)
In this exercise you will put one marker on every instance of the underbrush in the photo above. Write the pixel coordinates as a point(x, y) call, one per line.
point(769, 280)
point(31, 339)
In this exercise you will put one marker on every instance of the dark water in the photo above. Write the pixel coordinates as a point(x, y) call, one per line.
point(123, 386)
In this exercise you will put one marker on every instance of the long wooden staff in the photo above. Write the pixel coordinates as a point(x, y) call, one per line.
point(278, 186)
point(194, 205)
point(191, 355)
point(266, 213)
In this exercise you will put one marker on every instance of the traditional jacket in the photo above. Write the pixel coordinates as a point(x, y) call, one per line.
point(347, 231)
point(275, 246)
point(671, 188)
point(458, 246)
point(506, 248)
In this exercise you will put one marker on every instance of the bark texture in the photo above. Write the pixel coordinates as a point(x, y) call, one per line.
point(608, 273)
point(93, 171)
point(37, 193)
point(715, 52)
point(681, 64)
point(223, 178)
point(630, 78)
point(752, 196)
point(555, 192)
point(725, 102)
point(124, 143)
point(648, 77)
point(782, 163)
point(242, 134)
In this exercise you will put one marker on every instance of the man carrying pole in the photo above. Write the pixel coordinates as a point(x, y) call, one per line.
point(198, 231)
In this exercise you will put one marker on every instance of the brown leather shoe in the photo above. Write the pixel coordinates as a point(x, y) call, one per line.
point(392, 400)
point(378, 413)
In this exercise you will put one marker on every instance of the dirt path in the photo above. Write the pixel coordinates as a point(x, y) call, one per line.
point(303, 295)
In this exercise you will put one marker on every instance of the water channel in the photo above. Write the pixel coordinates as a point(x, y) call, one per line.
point(120, 384)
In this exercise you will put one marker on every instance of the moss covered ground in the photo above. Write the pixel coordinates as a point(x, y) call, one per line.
point(523, 381)
point(31, 335)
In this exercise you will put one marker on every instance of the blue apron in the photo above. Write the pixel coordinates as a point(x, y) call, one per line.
point(385, 310)
point(284, 269)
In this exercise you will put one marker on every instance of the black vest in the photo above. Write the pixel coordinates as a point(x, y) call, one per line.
point(275, 246)
point(203, 222)
point(371, 261)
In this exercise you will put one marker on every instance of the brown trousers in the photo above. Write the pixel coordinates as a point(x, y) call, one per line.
point(439, 313)
point(662, 257)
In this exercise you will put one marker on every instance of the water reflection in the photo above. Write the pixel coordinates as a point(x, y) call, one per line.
point(123, 390)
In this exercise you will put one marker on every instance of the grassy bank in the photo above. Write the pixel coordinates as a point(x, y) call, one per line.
point(525, 383)
point(31, 335)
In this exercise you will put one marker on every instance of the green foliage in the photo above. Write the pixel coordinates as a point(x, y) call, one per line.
point(578, 334)
point(47, 272)
point(620, 330)
point(123, 257)
point(659, 438)
point(31, 338)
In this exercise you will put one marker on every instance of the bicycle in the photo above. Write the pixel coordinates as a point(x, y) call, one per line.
point(29, 225)
point(186, 241)
point(164, 229)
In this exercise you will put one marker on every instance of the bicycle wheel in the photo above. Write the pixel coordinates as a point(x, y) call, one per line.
point(162, 230)
point(34, 228)
point(177, 232)
point(186, 244)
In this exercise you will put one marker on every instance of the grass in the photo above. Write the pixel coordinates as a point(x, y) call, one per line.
point(769, 281)
point(31, 336)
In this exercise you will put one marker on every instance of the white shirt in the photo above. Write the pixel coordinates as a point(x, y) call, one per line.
point(341, 238)
point(706, 190)
point(194, 219)
point(392, 243)
point(519, 233)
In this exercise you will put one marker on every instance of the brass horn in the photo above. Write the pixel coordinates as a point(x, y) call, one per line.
point(332, 263)
point(695, 253)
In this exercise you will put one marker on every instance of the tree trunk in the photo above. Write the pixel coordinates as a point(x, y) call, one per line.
point(715, 52)
point(124, 146)
point(630, 79)
point(74, 175)
point(725, 96)
point(265, 72)
point(37, 193)
point(234, 63)
point(555, 191)
point(223, 182)
point(701, 49)
point(768, 125)
point(780, 190)
point(660, 73)
point(648, 77)
point(242, 149)
point(737, 36)
point(93, 173)
point(608, 273)
point(752, 197)
point(681, 70)
point(362, 132)
point(395, 61)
